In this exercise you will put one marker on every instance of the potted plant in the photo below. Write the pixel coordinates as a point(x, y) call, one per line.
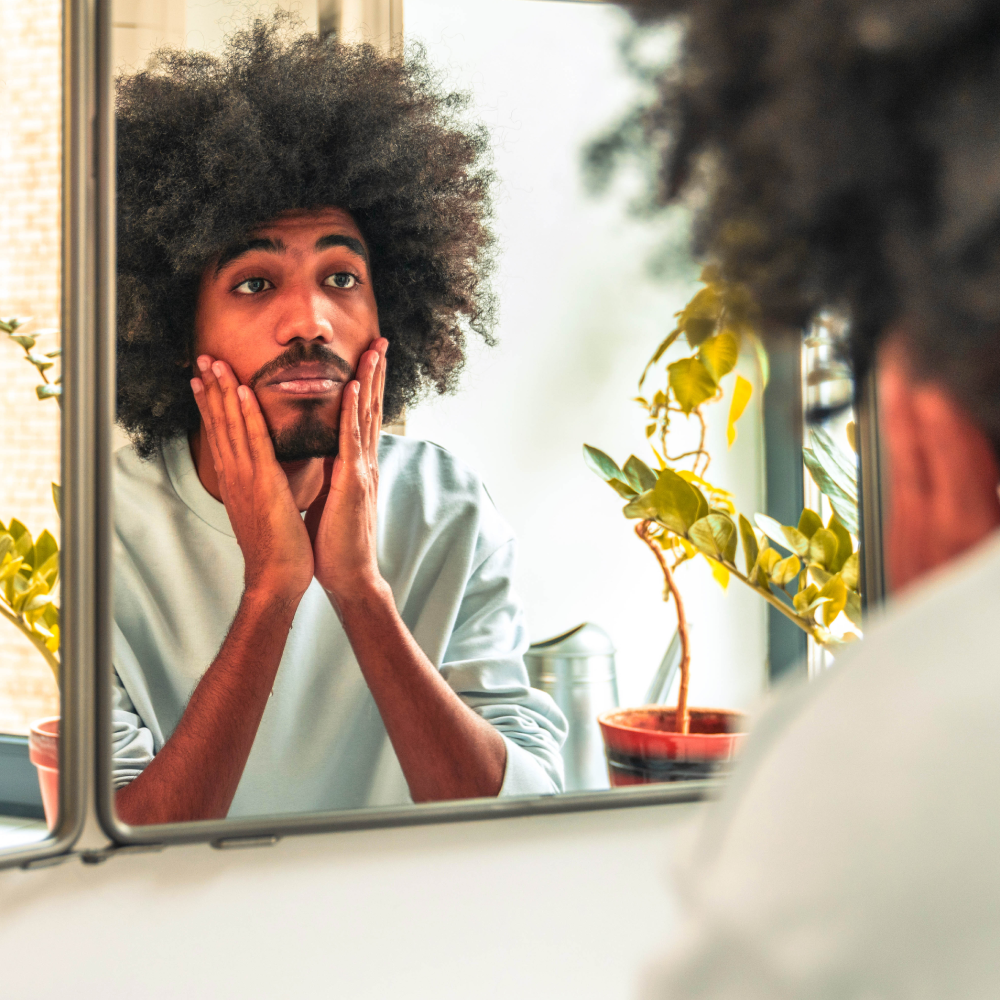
point(29, 574)
point(808, 571)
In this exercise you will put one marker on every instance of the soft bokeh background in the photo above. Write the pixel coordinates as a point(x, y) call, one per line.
point(579, 317)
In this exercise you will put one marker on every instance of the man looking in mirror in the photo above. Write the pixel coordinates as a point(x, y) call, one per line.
point(310, 614)
point(847, 157)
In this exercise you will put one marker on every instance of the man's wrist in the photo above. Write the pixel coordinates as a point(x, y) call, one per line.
point(365, 594)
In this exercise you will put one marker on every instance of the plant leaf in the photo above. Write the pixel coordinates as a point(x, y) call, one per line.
point(623, 489)
point(604, 465)
point(639, 475)
point(750, 548)
point(671, 337)
point(809, 522)
point(852, 608)
point(785, 571)
point(715, 535)
point(47, 391)
point(742, 391)
point(823, 549)
point(845, 545)
point(675, 503)
point(835, 590)
point(699, 317)
point(691, 382)
point(719, 354)
point(57, 498)
point(850, 573)
point(719, 572)
point(845, 504)
point(788, 538)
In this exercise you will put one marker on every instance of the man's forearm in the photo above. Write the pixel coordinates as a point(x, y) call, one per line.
point(195, 774)
point(445, 749)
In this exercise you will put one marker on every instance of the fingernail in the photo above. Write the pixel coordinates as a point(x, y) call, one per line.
point(196, 385)
point(242, 391)
point(217, 369)
point(203, 363)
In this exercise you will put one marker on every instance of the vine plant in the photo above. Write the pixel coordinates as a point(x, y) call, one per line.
point(29, 567)
point(810, 571)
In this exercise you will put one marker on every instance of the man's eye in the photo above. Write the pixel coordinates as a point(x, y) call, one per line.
point(342, 279)
point(252, 286)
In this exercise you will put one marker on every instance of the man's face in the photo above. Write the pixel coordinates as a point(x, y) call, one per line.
point(291, 311)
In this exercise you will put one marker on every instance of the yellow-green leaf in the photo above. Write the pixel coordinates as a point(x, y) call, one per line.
point(785, 571)
point(809, 521)
point(671, 337)
point(691, 382)
point(850, 572)
point(750, 548)
point(622, 489)
point(719, 572)
point(699, 317)
point(639, 475)
point(673, 502)
point(57, 497)
point(853, 609)
point(719, 353)
point(845, 546)
point(823, 548)
point(742, 391)
point(789, 538)
point(835, 590)
point(715, 535)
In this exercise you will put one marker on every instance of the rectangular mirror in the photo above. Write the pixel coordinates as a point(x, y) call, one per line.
point(289, 653)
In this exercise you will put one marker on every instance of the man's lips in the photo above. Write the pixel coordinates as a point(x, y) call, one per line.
point(308, 379)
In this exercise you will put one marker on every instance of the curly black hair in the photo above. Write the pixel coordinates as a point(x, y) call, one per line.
point(847, 156)
point(211, 148)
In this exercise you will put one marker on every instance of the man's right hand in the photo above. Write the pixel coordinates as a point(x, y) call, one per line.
point(277, 552)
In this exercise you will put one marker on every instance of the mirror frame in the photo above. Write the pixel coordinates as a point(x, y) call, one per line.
point(96, 481)
point(87, 116)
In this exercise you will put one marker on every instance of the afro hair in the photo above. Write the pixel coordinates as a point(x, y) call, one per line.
point(846, 156)
point(210, 149)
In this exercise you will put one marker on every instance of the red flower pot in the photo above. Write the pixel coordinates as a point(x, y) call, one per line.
point(642, 747)
point(43, 750)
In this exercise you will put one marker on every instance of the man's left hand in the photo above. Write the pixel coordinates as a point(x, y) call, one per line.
point(342, 521)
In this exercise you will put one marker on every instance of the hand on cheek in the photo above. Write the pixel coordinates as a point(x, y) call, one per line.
point(269, 530)
point(343, 521)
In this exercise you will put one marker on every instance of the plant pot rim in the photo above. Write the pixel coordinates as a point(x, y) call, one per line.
point(43, 742)
point(612, 719)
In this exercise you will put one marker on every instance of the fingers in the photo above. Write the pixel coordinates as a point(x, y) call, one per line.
point(350, 430)
point(378, 399)
point(258, 437)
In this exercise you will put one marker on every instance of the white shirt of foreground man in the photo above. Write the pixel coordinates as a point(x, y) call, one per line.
point(321, 745)
point(856, 851)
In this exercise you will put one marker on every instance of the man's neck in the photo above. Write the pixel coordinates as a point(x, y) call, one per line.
point(305, 478)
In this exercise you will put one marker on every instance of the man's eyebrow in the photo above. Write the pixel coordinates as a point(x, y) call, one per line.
point(339, 240)
point(237, 250)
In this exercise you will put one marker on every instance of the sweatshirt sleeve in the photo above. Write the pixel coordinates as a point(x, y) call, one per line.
point(484, 664)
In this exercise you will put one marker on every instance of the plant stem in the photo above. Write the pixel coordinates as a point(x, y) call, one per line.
point(682, 720)
point(36, 640)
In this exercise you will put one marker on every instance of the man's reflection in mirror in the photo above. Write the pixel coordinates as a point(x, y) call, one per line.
point(310, 614)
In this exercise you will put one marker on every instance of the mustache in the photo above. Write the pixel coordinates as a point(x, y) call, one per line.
point(299, 353)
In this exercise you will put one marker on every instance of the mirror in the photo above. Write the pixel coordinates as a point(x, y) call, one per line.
point(265, 665)
point(30, 342)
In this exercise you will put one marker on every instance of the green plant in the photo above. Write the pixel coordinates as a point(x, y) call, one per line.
point(29, 567)
point(682, 515)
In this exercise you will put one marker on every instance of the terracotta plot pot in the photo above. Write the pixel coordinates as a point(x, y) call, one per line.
point(43, 750)
point(642, 747)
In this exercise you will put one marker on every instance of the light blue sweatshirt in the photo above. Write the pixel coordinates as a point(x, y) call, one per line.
point(321, 745)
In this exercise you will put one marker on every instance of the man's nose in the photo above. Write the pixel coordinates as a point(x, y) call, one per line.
point(306, 317)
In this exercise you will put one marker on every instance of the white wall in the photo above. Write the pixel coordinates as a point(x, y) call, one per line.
point(579, 318)
point(556, 906)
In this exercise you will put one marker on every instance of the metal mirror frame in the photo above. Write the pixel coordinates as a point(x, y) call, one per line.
point(84, 123)
point(92, 436)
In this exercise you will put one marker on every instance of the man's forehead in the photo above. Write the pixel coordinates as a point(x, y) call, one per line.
point(306, 220)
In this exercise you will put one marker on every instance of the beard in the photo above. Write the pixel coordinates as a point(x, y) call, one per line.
point(308, 437)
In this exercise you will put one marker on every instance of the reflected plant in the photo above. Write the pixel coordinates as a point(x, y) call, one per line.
point(810, 571)
point(29, 567)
